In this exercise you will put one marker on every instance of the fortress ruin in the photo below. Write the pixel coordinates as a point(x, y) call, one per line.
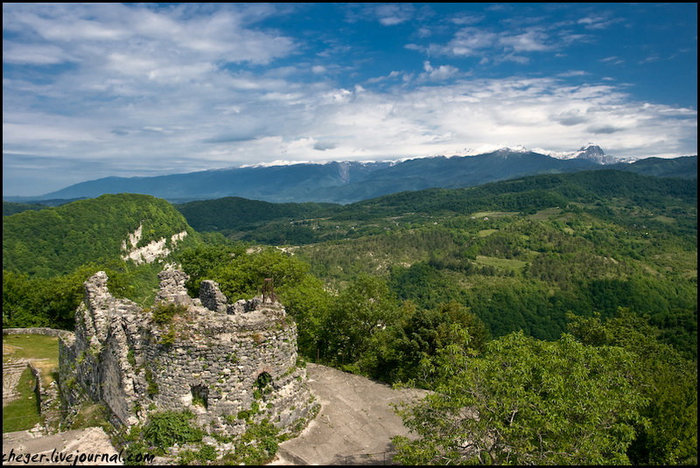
point(229, 364)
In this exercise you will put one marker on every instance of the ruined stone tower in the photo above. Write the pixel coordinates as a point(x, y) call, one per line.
point(226, 363)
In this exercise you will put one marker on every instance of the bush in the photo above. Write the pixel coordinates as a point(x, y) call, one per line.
point(163, 313)
point(168, 428)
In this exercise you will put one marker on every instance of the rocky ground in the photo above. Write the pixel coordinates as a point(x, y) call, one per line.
point(355, 424)
point(11, 372)
point(92, 440)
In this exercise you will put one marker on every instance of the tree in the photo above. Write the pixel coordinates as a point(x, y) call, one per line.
point(424, 346)
point(363, 308)
point(665, 378)
point(529, 402)
point(309, 304)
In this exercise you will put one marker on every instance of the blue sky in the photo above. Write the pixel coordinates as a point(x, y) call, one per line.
point(91, 91)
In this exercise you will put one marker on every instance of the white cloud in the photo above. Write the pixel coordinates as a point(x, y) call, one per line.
point(185, 130)
point(176, 90)
point(393, 14)
point(443, 72)
point(35, 54)
point(472, 41)
point(530, 41)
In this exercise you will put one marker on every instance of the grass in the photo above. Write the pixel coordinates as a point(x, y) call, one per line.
point(486, 232)
point(41, 350)
point(22, 413)
point(92, 415)
point(30, 347)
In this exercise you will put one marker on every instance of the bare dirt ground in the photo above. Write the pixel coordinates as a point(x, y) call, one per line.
point(355, 424)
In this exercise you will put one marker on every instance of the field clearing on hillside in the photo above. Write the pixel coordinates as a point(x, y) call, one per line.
point(486, 232)
point(546, 213)
point(494, 214)
point(503, 263)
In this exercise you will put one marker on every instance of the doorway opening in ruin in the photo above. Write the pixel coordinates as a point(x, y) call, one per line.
point(200, 395)
point(264, 383)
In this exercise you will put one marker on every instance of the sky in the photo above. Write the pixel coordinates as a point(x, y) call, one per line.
point(98, 90)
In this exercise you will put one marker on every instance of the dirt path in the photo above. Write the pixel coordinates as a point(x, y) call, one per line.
point(355, 424)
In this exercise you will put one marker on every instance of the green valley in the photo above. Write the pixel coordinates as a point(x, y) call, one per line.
point(437, 289)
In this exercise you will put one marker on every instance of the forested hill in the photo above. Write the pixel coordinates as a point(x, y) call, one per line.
point(610, 191)
point(241, 214)
point(57, 240)
point(685, 167)
point(520, 253)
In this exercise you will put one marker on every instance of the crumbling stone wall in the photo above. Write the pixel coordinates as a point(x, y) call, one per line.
point(224, 362)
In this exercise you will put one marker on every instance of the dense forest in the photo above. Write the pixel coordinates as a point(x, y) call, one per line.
point(562, 309)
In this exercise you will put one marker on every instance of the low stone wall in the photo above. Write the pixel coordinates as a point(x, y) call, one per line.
point(34, 331)
point(49, 406)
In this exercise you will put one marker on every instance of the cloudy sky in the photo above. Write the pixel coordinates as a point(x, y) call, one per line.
point(91, 91)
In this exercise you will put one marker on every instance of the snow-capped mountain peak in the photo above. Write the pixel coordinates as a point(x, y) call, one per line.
point(513, 149)
point(590, 152)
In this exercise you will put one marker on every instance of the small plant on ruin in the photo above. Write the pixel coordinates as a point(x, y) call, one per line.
point(258, 338)
point(247, 414)
point(168, 428)
point(152, 388)
point(168, 339)
point(163, 313)
point(204, 454)
point(257, 446)
point(130, 358)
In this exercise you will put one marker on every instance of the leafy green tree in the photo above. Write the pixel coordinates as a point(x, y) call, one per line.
point(199, 261)
point(17, 302)
point(309, 303)
point(362, 309)
point(665, 378)
point(243, 275)
point(424, 346)
point(529, 402)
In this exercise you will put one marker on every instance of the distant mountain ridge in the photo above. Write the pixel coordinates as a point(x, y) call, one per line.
point(347, 182)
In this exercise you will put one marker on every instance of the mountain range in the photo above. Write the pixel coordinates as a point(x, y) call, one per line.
point(347, 182)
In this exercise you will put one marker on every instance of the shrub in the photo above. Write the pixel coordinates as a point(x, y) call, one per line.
point(168, 428)
point(163, 313)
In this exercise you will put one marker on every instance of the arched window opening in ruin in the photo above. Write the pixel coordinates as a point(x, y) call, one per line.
point(264, 382)
point(200, 395)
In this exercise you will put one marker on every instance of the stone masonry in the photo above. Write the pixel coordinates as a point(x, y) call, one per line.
point(224, 362)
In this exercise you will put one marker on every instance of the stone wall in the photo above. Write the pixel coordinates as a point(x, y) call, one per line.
point(35, 331)
point(224, 362)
